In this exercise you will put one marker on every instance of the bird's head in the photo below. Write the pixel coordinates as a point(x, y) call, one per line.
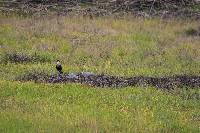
point(57, 62)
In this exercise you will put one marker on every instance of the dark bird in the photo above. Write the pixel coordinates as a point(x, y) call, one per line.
point(59, 67)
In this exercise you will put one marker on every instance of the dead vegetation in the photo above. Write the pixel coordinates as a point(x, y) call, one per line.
point(145, 8)
point(103, 80)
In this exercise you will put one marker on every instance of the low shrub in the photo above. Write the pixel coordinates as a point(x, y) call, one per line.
point(193, 32)
point(17, 57)
point(34, 75)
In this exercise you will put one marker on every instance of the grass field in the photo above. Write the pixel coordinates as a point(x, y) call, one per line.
point(122, 47)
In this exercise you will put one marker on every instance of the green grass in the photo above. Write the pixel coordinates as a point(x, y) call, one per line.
point(123, 47)
point(118, 47)
point(196, 8)
point(75, 108)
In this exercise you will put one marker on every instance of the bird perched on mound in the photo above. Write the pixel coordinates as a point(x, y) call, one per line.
point(59, 67)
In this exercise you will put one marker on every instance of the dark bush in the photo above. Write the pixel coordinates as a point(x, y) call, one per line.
point(193, 32)
point(113, 81)
point(34, 75)
point(16, 57)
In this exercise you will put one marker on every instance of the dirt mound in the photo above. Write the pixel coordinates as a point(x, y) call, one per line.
point(114, 81)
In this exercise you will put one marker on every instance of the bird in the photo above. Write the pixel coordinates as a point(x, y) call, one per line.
point(59, 67)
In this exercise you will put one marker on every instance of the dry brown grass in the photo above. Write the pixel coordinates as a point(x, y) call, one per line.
point(127, 43)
